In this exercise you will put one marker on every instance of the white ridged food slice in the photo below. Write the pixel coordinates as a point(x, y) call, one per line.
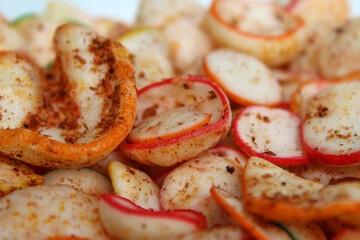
point(188, 186)
point(325, 173)
point(270, 133)
point(158, 13)
point(87, 180)
point(301, 97)
point(229, 152)
point(339, 58)
point(19, 90)
point(243, 77)
point(150, 55)
point(134, 185)
point(188, 43)
point(169, 124)
point(45, 211)
point(330, 131)
point(38, 33)
point(11, 39)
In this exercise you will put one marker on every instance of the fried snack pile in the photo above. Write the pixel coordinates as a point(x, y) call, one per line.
point(234, 121)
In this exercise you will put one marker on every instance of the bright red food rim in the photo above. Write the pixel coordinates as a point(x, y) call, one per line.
point(191, 134)
point(197, 219)
point(295, 160)
point(332, 159)
point(288, 34)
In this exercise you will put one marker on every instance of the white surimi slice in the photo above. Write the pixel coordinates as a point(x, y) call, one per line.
point(339, 58)
point(150, 55)
point(302, 96)
point(273, 134)
point(325, 173)
point(145, 39)
point(44, 211)
point(331, 130)
point(244, 78)
point(185, 38)
point(159, 13)
point(257, 19)
point(19, 90)
point(188, 186)
point(10, 38)
point(183, 91)
point(168, 124)
point(38, 33)
point(134, 185)
point(87, 180)
point(231, 153)
point(78, 61)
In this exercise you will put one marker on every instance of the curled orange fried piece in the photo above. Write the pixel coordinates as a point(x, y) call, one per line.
point(76, 113)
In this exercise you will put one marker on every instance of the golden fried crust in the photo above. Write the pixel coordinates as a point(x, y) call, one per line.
point(116, 121)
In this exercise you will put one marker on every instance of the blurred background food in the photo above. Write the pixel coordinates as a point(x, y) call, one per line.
point(119, 9)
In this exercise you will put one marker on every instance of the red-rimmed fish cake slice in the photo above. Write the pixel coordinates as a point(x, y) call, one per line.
point(184, 91)
point(301, 97)
point(230, 153)
point(125, 220)
point(134, 185)
point(270, 133)
point(263, 30)
point(330, 131)
point(168, 124)
point(245, 79)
